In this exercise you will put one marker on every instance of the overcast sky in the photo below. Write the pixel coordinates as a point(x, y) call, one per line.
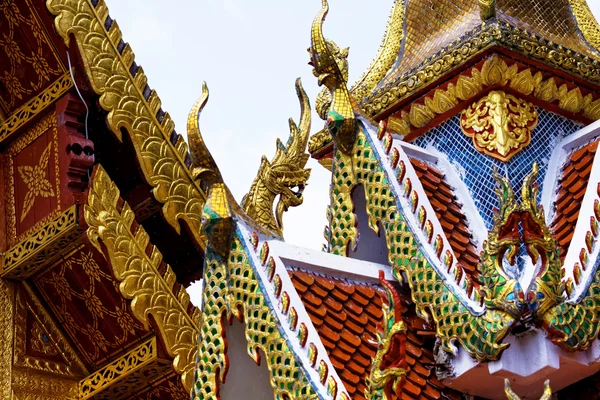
point(250, 53)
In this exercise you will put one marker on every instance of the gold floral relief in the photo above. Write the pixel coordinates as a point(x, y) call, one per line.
point(35, 177)
point(93, 283)
point(500, 124)
point(31, 64)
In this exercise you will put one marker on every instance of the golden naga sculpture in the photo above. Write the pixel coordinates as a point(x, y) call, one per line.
point(282, 174)
point(389, 365)
point(510, 395)
point(331, 69)
point(500, 124)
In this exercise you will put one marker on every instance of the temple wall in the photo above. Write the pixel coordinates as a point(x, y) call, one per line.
point(244, 380)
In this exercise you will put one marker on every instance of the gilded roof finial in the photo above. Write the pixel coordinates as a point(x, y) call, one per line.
point(203, 165)
point(331, 69)
point(487, 9)
point(282, 174)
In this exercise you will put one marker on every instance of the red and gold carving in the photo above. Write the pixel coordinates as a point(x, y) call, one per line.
point(500, 124)
point(32, 192)
point(28, 60)
point(83, 294)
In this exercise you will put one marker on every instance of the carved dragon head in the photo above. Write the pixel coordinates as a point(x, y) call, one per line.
point(284, 176)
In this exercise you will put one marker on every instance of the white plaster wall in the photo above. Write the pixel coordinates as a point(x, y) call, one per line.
point(370, 246)
point(245, 379)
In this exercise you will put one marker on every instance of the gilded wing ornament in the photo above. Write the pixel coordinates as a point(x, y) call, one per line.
point(284, 176)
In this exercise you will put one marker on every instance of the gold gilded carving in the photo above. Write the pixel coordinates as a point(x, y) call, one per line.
point(7, 301)
point(384, 60)
point(122, 95)
point(34, 106)
point(35, 178)
point(114, 373)
point(47, 123)
point(282, 174)
point(203, 166)
point(586, 22)
point(331, 69)
point(151, 293)
point(479, 39)
point(42, 246)
point(384, 379)
point(45, 337)
point(510, 395)
point(494, 72)
point(487, 9)
point(29, 385)
point(499, 124)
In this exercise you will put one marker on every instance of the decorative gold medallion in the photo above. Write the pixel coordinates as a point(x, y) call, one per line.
point(500, 124)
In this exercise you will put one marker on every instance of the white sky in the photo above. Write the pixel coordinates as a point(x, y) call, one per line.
point(250, 53)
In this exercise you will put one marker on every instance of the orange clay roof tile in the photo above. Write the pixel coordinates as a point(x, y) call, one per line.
point(571, 189)
point(348, 330)
point(452, 218)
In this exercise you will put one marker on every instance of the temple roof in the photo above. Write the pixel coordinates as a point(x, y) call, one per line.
point(434, 28)
point(453, 20)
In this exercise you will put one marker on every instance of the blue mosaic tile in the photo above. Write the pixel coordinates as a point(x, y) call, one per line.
point(476, 168)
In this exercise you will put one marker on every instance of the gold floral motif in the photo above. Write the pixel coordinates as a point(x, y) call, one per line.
point(499, 124)
point(510, 395)
point(35, 178)
point(34, 106)
point(42, 246)
point(34, 56)
point(280, 176)
point(40, 341)
point(121, 370)
point(48, 123)
point(82, 260)
point(150, 292)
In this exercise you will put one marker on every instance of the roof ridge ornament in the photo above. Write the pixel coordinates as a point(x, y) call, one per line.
point(282, 174)
point(203, 165)
point(330, 67)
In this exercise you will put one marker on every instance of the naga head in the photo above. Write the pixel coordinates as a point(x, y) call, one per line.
point(285, 176)
point(501, 291)
point(547, 289)
point(329, 62)
point(330, 65)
